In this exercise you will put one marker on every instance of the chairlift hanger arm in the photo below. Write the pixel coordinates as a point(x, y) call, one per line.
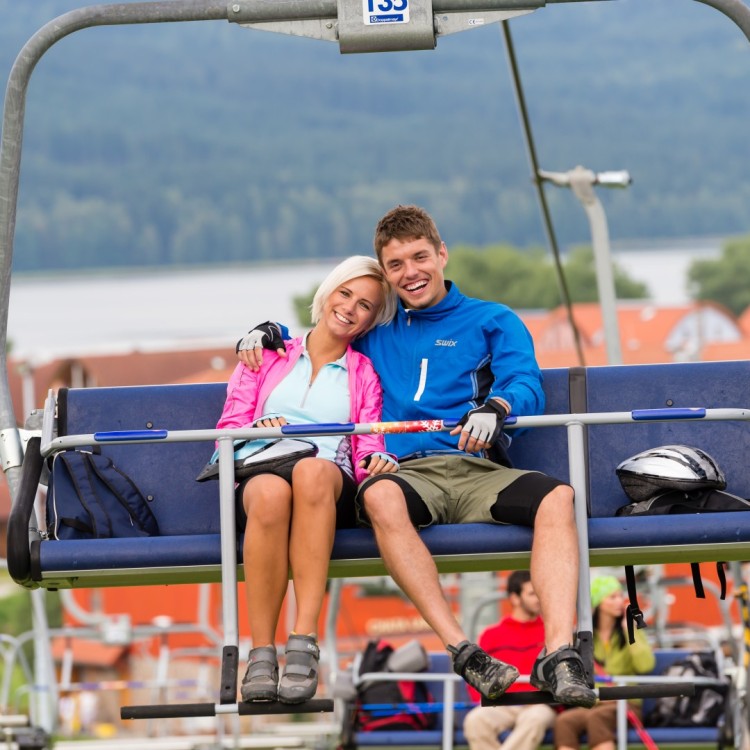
point(377, 25)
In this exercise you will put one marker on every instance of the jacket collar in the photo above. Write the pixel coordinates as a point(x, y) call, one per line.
point(446, 305)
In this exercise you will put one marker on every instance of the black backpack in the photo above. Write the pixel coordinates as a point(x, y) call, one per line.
point(393, 705)
point(704, 709)
point(105, 501)
point(677, 502)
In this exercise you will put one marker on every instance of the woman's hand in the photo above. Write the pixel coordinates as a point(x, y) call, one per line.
point(378, 463)
point(270, 420)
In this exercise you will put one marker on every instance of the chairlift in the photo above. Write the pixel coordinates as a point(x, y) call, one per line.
point(373, 26)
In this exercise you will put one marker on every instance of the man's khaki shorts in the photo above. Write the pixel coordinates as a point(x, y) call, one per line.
point(464, 489)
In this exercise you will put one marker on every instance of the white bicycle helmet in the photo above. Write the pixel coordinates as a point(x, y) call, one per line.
point(669, 467)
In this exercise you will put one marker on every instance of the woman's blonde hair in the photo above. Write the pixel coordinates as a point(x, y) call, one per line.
point(352, 268)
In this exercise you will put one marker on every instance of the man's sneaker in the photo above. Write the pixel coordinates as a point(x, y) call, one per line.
point(489, 676)
point(562, 674)
point(261, 679)
point(299, 679)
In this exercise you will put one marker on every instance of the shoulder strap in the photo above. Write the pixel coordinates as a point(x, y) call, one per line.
point(79, 467)
point(126, 492)
point(695, 569)
point(633, 612)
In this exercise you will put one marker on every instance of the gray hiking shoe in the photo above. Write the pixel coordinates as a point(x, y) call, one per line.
point(562, 674)
point(261, 679)
point(489, 676)
point(299, 679)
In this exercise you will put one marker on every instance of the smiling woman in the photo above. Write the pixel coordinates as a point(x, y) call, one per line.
point(290, 513)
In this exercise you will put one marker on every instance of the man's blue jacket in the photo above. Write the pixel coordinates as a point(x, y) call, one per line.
point(439, 362)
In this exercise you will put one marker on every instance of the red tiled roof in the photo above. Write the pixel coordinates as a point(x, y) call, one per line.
point(87, 652)
point(744, 321)
point(133, 368)
point(644, 329)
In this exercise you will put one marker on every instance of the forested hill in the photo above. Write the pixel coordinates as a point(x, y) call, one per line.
point(195, 142)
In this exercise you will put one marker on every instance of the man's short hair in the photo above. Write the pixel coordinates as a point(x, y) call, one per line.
point(516, 581)
point(405, 223)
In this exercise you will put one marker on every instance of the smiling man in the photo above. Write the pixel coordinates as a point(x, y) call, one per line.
point(445, 355)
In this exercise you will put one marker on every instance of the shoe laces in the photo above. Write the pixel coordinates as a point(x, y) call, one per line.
point(574, 670)
point(483, 665)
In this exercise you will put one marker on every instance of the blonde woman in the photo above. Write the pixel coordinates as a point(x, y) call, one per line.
point(289, 516)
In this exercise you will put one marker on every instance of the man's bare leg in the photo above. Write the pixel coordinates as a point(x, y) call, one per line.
point(408, 561)
point(554, 566)
point(411, 565)
point(554, 573)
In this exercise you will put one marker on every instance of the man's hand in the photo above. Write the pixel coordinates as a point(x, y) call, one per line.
point(481, 427)
point(265, 336)
point(378, 463)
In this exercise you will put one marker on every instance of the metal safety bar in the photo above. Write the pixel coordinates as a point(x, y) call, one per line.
point(54, 445)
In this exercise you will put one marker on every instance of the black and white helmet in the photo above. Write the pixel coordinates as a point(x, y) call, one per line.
point(669, 467)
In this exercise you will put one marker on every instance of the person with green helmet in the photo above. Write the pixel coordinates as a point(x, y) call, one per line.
point(613, 655)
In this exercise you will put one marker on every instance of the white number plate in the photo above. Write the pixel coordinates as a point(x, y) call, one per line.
point(385, 11)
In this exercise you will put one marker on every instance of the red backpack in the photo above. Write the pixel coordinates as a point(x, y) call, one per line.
point(393, 705)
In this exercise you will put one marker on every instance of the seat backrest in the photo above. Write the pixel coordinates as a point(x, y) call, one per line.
point(624, 388)
point(545, 448)
point(165, 473)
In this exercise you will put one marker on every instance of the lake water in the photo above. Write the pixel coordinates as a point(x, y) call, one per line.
point(67, 314)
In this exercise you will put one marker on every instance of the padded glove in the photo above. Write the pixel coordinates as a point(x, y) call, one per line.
point(266, 336)
point(485, 422)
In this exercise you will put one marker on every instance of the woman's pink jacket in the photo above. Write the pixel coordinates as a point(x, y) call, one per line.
point(248, 391)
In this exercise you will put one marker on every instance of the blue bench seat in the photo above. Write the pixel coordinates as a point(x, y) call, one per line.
point(188, 548)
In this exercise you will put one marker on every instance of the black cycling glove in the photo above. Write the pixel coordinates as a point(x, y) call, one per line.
point(485, 422)
point(266, 336)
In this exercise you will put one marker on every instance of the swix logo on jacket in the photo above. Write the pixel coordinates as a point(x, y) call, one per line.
point(440, 362)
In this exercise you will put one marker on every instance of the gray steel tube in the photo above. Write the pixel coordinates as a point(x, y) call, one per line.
point(12, 136)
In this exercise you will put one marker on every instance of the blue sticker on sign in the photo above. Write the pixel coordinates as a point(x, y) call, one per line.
point(385, 11)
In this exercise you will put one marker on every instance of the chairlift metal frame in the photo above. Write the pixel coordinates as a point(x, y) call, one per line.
point(357, 28)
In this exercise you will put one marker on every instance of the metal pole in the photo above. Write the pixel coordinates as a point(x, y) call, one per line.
point(736, 10)
point(45, 694)
point(581, 183)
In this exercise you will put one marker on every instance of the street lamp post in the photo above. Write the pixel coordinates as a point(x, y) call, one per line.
point(581, 181)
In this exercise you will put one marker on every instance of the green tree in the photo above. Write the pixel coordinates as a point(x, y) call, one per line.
point(725, 279)
point(501, 273)
point(302, 304)
point(581, 278)
point(517, 278)
point(527, 279)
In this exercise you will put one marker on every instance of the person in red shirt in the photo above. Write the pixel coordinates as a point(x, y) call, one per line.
point(517, 640)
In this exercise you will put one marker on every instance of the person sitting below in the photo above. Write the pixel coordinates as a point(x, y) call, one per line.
point(613, 655)
point(289, 516)
point(516, 640)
